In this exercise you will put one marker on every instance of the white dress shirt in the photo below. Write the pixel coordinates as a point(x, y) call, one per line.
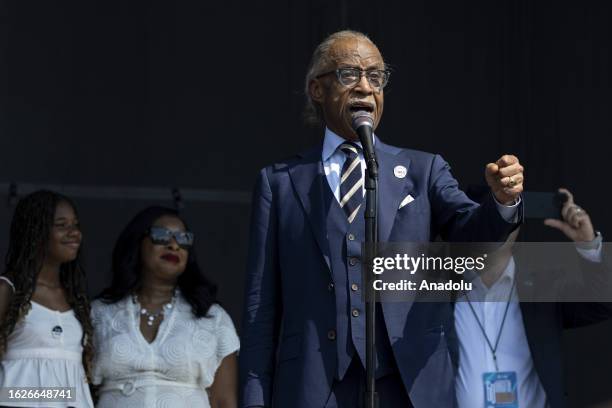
point(334, 158)
point(513, 353)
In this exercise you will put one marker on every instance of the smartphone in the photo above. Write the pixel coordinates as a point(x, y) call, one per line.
point(543, 204)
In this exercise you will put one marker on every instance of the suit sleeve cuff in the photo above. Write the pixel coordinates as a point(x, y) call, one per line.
point(509, 213)
point(591, 251)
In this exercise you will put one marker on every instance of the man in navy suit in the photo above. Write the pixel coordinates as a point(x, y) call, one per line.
point(303, 343)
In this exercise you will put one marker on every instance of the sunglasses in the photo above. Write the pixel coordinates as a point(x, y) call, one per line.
point(163, 236)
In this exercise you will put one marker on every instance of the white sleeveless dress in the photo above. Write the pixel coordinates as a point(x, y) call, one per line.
point(174, 370)
point(44, 350)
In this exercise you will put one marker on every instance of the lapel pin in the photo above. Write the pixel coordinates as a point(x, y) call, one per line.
point(400, 171)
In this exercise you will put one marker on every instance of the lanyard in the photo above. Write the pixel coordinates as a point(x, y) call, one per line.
point(501, 327)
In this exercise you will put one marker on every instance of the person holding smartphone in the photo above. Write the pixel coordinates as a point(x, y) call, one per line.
point(509, 331)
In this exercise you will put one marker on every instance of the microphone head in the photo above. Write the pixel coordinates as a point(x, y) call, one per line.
point(362, 118)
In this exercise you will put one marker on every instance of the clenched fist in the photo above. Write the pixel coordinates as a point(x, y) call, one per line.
point(505, 177)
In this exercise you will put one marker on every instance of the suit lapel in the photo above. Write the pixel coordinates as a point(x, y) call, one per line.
point(309, 182)
point(391, 189)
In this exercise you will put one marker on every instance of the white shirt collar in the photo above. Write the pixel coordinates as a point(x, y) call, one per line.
point(505, 281)
point(508, 274)
point(332, 141)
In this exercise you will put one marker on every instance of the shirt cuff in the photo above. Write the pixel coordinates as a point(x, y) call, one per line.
point(508, 212)
point(591, 251)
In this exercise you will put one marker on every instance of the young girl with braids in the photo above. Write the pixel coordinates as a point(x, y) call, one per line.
point(45, 329)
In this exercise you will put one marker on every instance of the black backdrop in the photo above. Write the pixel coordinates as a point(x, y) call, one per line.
point(201, 95)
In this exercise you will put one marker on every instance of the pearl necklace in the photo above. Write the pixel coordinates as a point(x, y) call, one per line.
point(152, 316)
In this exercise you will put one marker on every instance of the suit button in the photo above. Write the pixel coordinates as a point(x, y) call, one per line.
point(331, 335)
point(354, 287)
point(351, 237)
point(355, 313)
point(352, 261)
point(330, 287)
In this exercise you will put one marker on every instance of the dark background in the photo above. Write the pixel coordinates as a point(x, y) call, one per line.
point(200, 95)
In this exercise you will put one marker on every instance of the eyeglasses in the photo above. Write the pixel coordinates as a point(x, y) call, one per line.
point(377, 78)
point(163, 236)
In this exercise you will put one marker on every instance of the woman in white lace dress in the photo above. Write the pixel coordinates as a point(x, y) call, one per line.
point(45, 330)
point(161, 339)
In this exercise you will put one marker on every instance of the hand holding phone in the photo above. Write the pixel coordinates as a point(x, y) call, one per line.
point(575, 223)
point(544, 204)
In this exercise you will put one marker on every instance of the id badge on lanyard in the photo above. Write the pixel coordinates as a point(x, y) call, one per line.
point(500, 389)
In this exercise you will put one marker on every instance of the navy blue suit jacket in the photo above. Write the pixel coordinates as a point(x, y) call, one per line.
point(288, 354)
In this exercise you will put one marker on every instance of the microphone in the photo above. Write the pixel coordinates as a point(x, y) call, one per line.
point(362, 125)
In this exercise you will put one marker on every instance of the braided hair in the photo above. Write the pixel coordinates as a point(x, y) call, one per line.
point(29, 239)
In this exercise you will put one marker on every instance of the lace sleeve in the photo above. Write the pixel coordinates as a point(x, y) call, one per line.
point(215, 340)
point(227, 338)
point(97, 320)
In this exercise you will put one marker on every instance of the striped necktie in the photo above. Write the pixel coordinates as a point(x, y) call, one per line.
point(351, 181)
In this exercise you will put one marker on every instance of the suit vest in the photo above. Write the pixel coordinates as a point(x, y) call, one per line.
point(345, 241)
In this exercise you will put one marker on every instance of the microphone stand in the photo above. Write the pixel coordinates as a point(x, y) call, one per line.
point(371, 241)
